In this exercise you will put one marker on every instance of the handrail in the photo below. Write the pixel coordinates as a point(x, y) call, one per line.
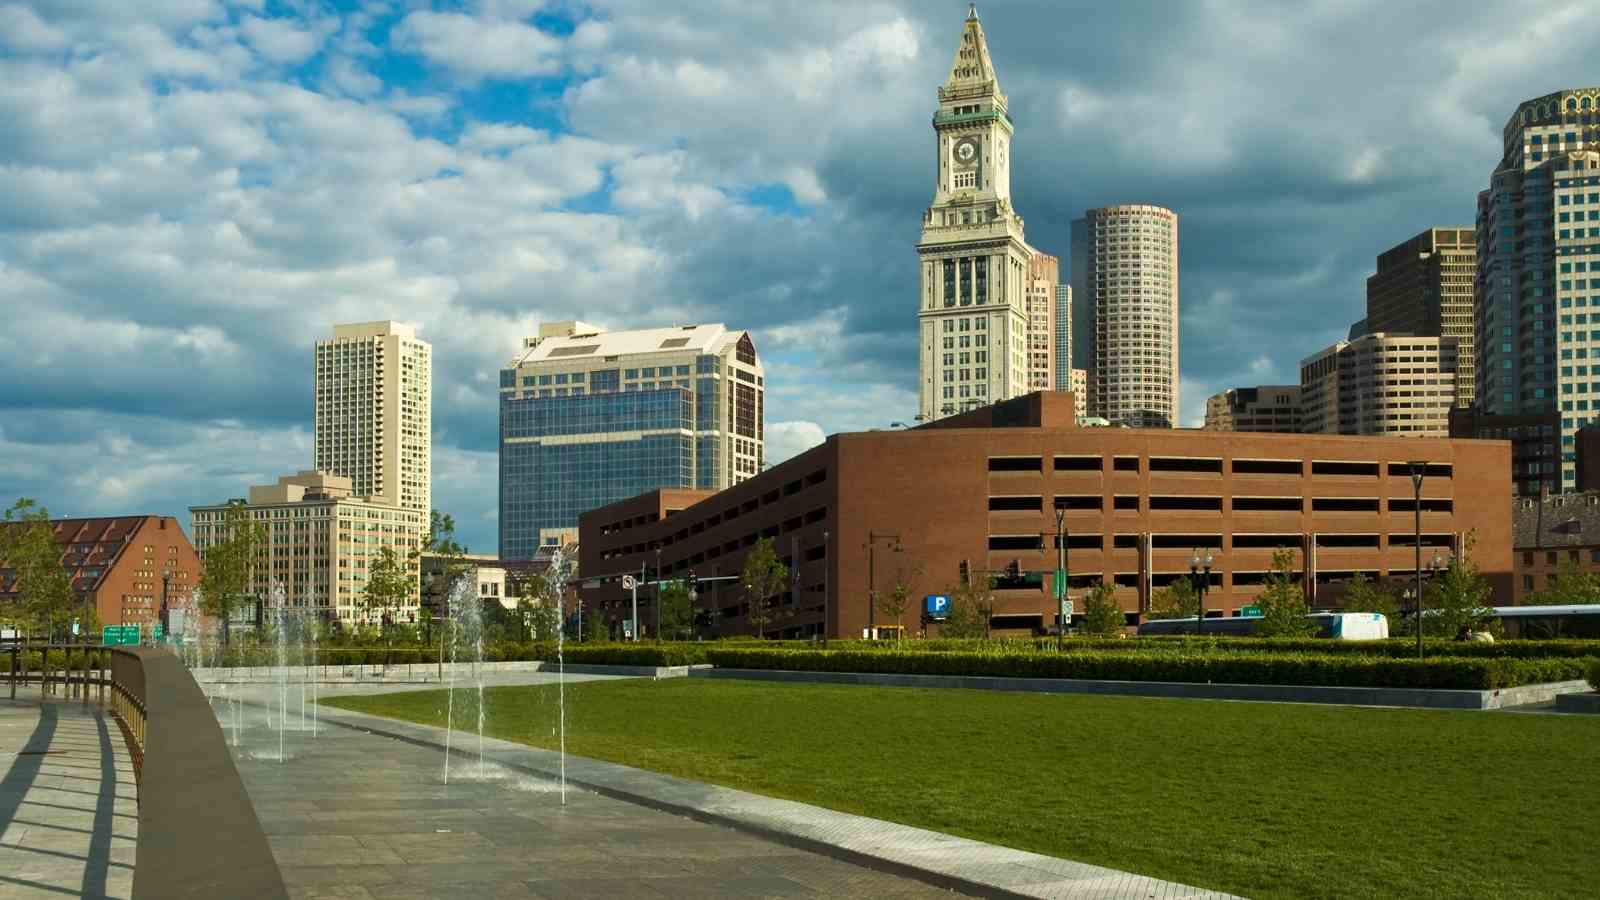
point(198, 832)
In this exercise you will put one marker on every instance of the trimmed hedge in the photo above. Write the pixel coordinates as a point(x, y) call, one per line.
point(1229, 668)
point(1401, 648)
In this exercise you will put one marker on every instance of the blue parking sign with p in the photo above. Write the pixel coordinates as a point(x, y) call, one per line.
point(937, 606)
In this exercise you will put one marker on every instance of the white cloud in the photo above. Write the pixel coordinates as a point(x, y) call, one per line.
point(786, 439)
point(283, 41)
point(479, 47)
point(21, 29)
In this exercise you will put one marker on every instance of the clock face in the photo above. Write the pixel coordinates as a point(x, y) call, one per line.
point(966, 151)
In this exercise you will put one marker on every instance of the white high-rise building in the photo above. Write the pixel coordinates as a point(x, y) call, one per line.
point(1125, 316)
point(374, 412)
point(972, 315)
point(1044, 274)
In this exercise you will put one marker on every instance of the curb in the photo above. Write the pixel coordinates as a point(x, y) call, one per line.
point(1415, 698)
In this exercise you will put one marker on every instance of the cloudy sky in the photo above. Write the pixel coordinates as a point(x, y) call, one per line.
point(193, 191)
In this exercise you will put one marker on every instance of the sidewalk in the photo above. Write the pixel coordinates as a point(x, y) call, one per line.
point(810, 849)
point(69, 815)
point(356, 815)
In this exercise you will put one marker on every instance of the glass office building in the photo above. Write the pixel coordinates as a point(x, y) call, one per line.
point(588, 418)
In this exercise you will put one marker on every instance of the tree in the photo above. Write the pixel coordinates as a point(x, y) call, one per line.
point(540, 617)
point(1175, 601)
point(1362, 594)
point(893, 604)
point(29, 548)
point(449, 565)
point(389, 585)
point(1102, 615)
point(677, 611)
point(763, 576)
point(230, 560)
point(1283, 603)
point(595, 628)
point(1570, 586)
point(1460, 598)
point(972, 605)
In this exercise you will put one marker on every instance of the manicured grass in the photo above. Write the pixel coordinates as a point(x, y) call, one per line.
point(1264, 800)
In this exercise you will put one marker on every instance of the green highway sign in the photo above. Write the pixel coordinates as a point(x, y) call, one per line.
point(1249, 610)
point(119, 635)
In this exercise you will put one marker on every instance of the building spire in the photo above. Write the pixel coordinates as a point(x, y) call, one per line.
point(972, 71)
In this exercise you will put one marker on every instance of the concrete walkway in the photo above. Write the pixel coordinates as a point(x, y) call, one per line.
point(355, 815)
point(69, 812)
point(624, 832)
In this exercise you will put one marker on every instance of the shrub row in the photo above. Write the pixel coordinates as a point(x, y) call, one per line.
point(1395, 647)
point(1233, 668)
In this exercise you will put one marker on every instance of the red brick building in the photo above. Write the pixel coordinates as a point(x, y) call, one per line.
point(979, 492)
point(118, 563)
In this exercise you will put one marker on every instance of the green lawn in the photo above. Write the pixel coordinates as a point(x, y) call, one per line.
point(1265, 800)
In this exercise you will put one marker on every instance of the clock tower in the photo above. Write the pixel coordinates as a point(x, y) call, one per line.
point(972, 314)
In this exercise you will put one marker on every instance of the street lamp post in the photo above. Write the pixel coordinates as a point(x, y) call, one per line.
point(827, 563)
point(1200, 580)
point(873, 537)
point(658, 593)
point(166, 576)
point(1418, 468)
point(1061, 575)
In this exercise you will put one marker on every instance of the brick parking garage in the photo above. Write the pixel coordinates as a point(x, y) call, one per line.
point(980, 490)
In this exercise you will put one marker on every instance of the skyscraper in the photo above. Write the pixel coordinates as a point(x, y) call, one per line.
point(973, 260)
point(1380, 384)
point(1424, 287)
point(1538, 231)
point(1064, 358)
point(1044, 274)
point(1125, 313)
point(590, 417)
point(374, 412)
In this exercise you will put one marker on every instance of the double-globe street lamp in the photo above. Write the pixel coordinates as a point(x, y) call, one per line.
point(1200, 580)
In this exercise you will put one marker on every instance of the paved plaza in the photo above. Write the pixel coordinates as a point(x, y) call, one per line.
point(68, 802)
point(354, 815)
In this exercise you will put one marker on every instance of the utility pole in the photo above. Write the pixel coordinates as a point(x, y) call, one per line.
point(658, 593)
point(1418, 470)
point(636, 602)
point(827, 563)
point(1060, 579)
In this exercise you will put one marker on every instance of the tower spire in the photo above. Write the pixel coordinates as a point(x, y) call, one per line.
point(972, 69)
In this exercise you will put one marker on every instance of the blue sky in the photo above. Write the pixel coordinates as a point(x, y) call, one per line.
point(196, 190)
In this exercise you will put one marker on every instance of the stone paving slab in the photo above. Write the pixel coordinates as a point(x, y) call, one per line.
point(351, 814)
point(938, 859)
point(69, 815)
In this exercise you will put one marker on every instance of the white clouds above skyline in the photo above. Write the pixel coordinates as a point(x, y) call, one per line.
point(198, 190)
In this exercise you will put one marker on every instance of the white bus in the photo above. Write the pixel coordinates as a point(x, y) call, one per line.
point(1364, 626)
